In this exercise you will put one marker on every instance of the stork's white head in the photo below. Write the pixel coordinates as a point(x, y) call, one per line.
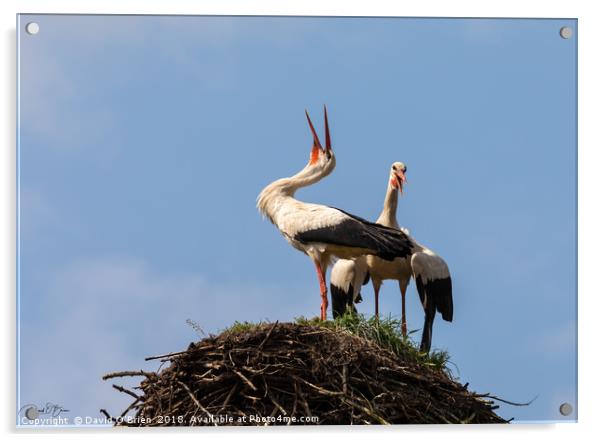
point(321, 159)
point(398, 175)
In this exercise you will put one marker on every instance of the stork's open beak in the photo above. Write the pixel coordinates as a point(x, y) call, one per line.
point(327, 131)
point(401, 180)
point(317, 146)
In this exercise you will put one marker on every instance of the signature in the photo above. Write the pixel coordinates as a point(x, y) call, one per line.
point(32, 411)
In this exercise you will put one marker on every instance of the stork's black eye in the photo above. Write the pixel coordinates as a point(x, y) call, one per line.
point(328, 154)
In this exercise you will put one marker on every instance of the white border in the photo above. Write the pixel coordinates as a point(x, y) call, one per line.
point(590, 145)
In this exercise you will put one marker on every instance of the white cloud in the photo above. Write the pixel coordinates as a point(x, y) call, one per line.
point(60, 73)
point(107, 315)
point(54, 102)
point(555, 343)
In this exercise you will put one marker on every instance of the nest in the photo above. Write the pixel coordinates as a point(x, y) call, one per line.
point(282, 374)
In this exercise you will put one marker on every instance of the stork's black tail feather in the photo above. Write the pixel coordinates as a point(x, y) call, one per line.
point(436, 296)
point(442, 293)
point(341, 300)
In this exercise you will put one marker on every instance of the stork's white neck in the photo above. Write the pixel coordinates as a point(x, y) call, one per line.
point(271, 197)
point(305, 177)
point(388, 217)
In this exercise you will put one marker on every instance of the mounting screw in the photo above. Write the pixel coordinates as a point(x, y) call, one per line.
point(566, 32)
point(566, 409)
point(32, 28)
point(32, 413)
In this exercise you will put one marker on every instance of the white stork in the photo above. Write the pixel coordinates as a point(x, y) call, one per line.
point(322, 232)
point(430, 271)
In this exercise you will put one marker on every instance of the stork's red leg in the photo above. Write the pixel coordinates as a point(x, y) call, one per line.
point(376, 290)
point(323, 290)
point(404, 327)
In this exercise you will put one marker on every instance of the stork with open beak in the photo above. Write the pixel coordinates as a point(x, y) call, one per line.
point(323, 232)
point(430, 271)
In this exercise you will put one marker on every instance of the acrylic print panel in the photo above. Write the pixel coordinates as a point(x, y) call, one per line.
point(144, 142)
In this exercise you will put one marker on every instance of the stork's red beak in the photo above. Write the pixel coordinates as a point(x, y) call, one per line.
point(328, 145)
point(400, 180)
point(317, 146)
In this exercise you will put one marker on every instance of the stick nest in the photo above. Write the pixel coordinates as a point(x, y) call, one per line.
point(278, 374)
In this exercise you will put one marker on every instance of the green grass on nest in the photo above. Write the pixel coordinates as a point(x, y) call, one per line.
point(385, 332)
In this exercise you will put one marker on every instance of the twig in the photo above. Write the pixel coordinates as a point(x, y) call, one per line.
point(177, 353)
point(267, 336)
point(282, 410)
point(245, 379)
point(320, 389)
point(517, 404)
point(125, 390)
point(195, 400)
point(228, 397)
point(106, 414)
point(121, 374)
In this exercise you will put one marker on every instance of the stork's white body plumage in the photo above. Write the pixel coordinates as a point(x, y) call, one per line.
point(325, 232)
point(430, 271)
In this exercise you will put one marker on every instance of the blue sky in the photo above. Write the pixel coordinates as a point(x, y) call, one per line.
point(144, 142)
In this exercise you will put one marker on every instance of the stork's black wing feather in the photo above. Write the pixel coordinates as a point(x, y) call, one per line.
point(353, 231)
